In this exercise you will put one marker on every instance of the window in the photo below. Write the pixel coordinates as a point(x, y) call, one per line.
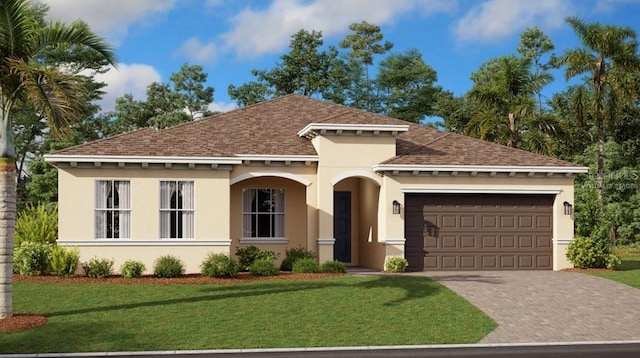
point(176, 209)
point(263, 213)
point(113, 209)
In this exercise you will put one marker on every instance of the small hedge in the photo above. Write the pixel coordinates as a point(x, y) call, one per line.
point(249, 254)
point(32, 258)
point(263, 267)
point(395, 264)
point(294, 254)
point(219, 265)
point(306, 265)
point(64, 261)
point(132, 269)
point(37, 224)
point(98, 268)
point(333, 267)
point(587, 252)
point(168, 267)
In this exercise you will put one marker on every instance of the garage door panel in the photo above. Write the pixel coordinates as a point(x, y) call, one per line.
point(480, 231)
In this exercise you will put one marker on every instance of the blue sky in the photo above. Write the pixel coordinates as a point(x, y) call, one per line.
point(153, 38)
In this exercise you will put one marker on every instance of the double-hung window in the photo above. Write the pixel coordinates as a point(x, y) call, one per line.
point(112, 209)
point(176, 209)
point(263, 213)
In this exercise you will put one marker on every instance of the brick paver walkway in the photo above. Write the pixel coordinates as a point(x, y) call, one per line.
point(547, 306)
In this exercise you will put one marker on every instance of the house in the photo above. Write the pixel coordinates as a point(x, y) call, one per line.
point(300, 172)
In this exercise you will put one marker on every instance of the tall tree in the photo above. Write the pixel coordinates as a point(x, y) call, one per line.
point(364, 42)
point(189, 82)
point(609, 54)
point(49, 88)
point(533, 45)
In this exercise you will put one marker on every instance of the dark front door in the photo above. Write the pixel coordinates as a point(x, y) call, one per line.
point(342, 225)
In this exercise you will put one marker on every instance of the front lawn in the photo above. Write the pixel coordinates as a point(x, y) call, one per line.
point(336, 311)
point(629, 272)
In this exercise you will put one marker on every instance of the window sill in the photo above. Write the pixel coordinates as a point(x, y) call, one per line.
point(264, 240)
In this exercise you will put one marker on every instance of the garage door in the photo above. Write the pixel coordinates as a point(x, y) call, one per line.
point(478, 231)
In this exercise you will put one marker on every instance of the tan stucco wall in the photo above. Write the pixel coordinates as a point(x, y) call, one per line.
point(372, 251)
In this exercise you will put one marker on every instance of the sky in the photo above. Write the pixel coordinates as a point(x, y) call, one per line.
point(229, 38)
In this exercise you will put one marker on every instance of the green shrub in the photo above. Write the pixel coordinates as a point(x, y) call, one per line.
point(395, 264)
point(333, 266)
point(37, 224)
point(263, 267)
point(292, 255)
point(98, 268)
point(219, 265)
point(613, 261)
point(64, 261)
point(168, 266)
point(32, 258)
point(306, 265)
point(132, 269)
point(586, 252)
point(247, 255)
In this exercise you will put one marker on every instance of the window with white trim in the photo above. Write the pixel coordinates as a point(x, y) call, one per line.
point(177, 209)
point(263, 213)
point(112, 209)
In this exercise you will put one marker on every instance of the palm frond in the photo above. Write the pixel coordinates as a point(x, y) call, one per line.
point(75, 34)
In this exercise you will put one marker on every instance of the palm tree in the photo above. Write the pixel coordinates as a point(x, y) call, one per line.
point(55, 94)
point(505, 88)
point(608, 55)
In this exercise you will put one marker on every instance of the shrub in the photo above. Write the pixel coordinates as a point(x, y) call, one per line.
point(37, 224)
point(292, 255)
point(98, 268)
point(586, 252)
point(263, 267)
point(219, 265)
point(613, 262)
point(333, 266)
point(395, 264)
point(64, 261)
point(132, 269)
point(306, 265)
point(32, 258)
point(168, 266)
point(247, 255)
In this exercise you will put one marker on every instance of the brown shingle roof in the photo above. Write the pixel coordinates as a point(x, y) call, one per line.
point(271, 127)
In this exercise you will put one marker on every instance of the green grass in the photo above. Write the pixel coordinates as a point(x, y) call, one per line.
point(338, 311)
point(629, 272)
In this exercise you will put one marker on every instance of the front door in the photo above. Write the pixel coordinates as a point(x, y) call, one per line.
point(342, 225)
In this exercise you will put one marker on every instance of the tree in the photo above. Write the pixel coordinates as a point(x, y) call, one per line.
point(188, 82)
point(407, 86)
point(608, 57)
point(51, 90)
point(533, 45)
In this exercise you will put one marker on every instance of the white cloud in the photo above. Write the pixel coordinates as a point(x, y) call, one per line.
point(268, 31)
point(494, 20)
point(610, 5)
point(197, 52)
point(109, 18)
point(127, 78)
point(222, 107)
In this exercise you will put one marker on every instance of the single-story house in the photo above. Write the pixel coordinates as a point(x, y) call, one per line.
point(300, 172)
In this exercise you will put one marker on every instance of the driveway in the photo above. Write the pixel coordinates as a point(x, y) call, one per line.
point(548, 306)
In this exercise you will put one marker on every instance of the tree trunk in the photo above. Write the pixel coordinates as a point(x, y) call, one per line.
point(513, 134)
point(600, 167)
point(7, 228)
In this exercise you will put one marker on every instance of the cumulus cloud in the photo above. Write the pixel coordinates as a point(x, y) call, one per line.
point(109, 18)
point(222, 107)
point(258, 32)
point(495, 20)
point(610, 5)
point(127, 78)
point(197, 52)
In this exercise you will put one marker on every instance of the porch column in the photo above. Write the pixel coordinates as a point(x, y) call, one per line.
point(326, 239)
point(391, 225)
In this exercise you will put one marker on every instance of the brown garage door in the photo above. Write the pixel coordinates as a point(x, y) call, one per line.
point(478, 231)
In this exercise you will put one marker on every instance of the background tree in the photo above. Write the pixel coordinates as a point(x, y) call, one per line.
point(51, 90)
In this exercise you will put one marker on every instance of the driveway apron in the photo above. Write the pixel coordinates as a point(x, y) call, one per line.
point(548, 306)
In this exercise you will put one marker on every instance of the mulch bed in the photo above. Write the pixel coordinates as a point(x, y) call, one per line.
point(584, 270)
point(24, 321)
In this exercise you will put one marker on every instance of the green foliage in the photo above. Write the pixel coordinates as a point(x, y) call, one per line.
point(219, 265)
point(37, 224)
point(613, 261)
point(132, 269)
point(168, 266)
point(64, 261)
point(248, 254)
point(32, 258)
point(305, 265)
point(263, 267)
point(587, 252)
point(333, 266)
point(395, 264)
point(98, 268)
point(293, 254)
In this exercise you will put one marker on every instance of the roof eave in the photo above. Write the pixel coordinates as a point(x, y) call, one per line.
point(313, 129)
point(394, 169)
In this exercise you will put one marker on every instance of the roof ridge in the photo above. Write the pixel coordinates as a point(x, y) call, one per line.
point(444, 135)
point(333, 116)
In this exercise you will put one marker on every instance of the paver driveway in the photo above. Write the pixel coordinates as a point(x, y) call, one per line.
point(547, 306)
